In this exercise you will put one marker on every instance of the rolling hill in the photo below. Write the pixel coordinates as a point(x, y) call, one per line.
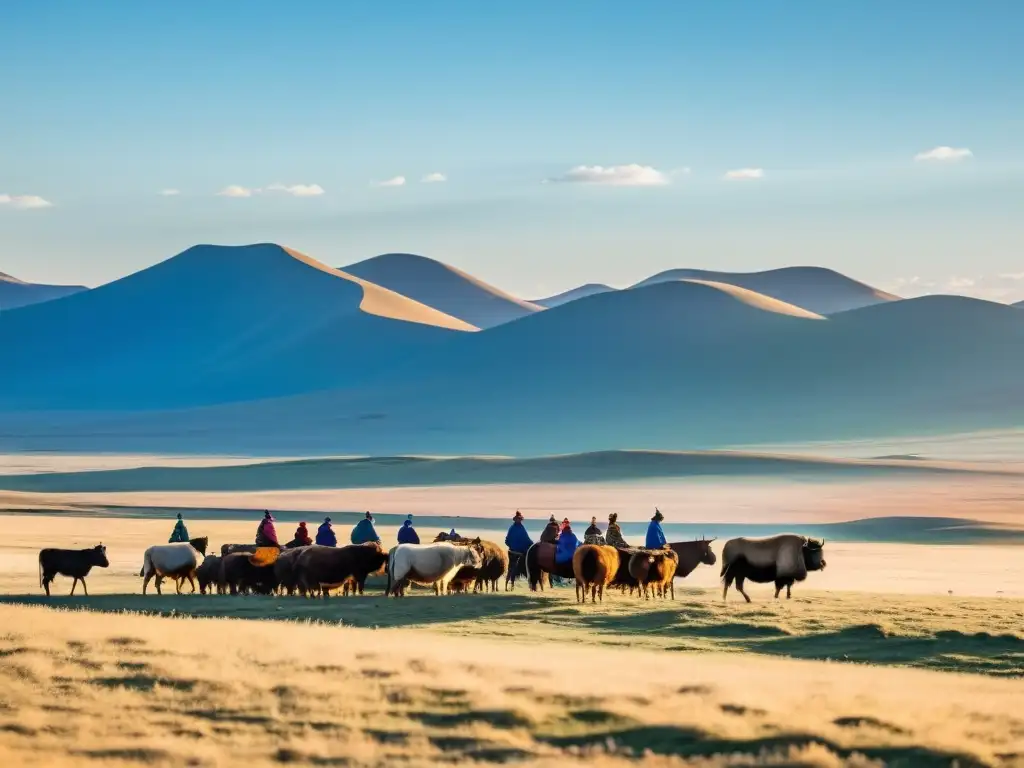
point(212, 324)
point(590, 289)
point(443, 287)
point(16, 293)
point(814, 288)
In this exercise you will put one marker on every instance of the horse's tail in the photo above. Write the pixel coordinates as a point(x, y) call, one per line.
point(529, 576)
point(390, 570)
point(588, 566)
point(146, 560)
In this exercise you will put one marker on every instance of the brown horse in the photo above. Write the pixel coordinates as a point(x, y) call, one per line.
point(541, 565)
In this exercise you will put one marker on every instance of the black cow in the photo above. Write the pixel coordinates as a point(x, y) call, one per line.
point(73, 563)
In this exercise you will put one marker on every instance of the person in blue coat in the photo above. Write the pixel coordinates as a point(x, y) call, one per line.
point(364, 532)
point(567, 544)
point(518, 539)
point(655, 536)
point(407, 534)
point(325, 534)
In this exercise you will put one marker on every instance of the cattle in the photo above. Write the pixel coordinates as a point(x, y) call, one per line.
point(429, 564)
point(783, 559)
point(244, 573)
point(230, 549)
point(208, 575)
point(321, 569)
point(72, 563)
point(284, 570)
point(177, 561)
point(595, 566)
point(653, 570)
point(692, 554)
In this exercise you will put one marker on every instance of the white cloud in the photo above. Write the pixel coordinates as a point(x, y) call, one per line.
point(744, 173)
point(1005, 288)
point(397, 181)
point(297, 190)
point(25, 202)
point(632, 175)
point(233, 190)
point(944, 154)
point(434, 178)
point(169, 192)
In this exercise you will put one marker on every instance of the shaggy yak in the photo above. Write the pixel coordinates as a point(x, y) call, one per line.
point(430, 564)
point(208, 575)
point(654, 570)
point(244, 572)
point(284, 570)
point(321, 569)
point(594, 566)
point(172, 561)
point(783, 559)
point(74, 563)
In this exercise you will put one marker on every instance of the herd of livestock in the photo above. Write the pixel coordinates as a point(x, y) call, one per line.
point(449, 565)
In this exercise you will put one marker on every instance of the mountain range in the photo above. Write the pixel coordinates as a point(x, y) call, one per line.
point(16, 293)
point(262, 350)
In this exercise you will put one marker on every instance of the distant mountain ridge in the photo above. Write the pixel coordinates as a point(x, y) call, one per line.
point(581, 292)
point(443, 287)
point(15, 293)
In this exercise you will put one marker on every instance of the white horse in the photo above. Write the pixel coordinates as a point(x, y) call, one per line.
point(429, 564)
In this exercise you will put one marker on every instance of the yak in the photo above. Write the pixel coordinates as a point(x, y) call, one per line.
point(783, 559)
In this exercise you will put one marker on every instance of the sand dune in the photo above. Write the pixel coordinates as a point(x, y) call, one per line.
point(211, 324)
point(444, 287)
point(16, 293)
point(814, 288)
point(590, 289)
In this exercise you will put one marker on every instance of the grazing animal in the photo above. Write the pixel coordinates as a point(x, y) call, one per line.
point(623, 578)
point(595, 566)
point(241, 573)
point(692, 554)
point(73, 563)
point(321, 569)
point(653, 570)
point(541, 564)
point(783, 559)
point(486, 576)
point(284, 570)
point(174, 561)
point(429, 564)
point(208, 575)
point(200, 543)
point(230, 549)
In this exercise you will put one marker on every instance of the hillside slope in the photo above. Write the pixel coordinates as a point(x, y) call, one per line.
point(443, 287)
point(590, 289)
point(814, 288)
point(16, 293)
point(211, 324)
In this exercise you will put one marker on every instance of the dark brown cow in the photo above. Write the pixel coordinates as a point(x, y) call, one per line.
point(321, 569)
point(208, 575)
point(240, 575)
point(285, 569)
point(653, 569)
point(73, 563)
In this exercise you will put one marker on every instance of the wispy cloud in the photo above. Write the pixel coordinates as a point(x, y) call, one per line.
point(1007, 287)
point(632, 175)
point(397, 181)
point(740, 174)
point(169, 192)
point(944, 154)
point(24, 202)
point(234, 190)
point(297, 190)
point(434, 178)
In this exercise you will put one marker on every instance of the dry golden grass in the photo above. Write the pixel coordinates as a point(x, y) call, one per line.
point(82, 688)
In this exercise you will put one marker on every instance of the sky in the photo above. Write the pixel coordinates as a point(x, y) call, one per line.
point(537, 145)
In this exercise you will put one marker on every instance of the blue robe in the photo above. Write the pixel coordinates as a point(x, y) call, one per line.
point(407, 534)
point(517, 539)
point(325, 536)
point(655, 536)
point(364, 532)
point(566, 547)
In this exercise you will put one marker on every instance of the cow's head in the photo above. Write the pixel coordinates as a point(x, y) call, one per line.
point(814, 555)
point(99, 556)
point(707, 554)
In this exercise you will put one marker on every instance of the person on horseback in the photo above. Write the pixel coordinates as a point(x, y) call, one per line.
point(614, 535)
point(325, 534)
point(517, 540)
point(266, 534)
point(407, 534)
point(567, 544)
point(302, 536)
point(593, 534)
point(655, 536)
point(180, 532)
point(364, 532)
point(550, 533)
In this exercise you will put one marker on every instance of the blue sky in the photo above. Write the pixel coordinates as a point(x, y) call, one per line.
point(106, 104)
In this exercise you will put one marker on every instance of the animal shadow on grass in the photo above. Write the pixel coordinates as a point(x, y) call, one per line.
point(671, 624)
point(688, 742)
point(998, 655)
point(367, 610)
